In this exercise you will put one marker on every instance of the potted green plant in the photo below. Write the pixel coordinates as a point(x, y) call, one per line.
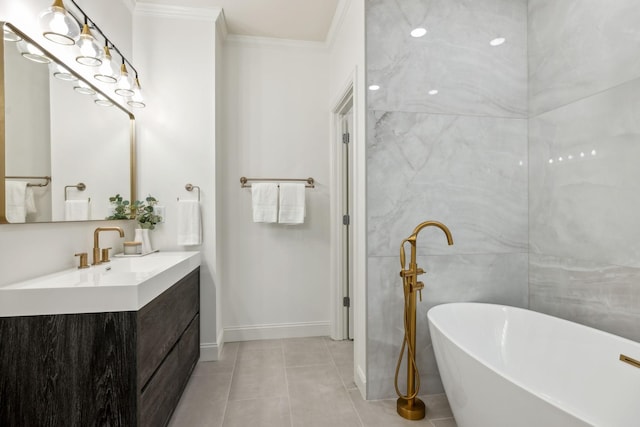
point(140, 210)
point(144, 213)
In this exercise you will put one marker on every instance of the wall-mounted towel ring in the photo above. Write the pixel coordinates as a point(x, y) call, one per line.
point(190, 187)
point(80, 186)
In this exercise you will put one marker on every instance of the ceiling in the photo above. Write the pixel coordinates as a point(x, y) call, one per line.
point(286, 19)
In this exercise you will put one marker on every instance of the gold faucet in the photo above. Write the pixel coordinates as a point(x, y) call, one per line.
point(408, 405)
point(96, 245)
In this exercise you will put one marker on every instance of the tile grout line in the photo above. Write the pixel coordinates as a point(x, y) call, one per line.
point(233, 372)
point(344, 386)
point(286, 384)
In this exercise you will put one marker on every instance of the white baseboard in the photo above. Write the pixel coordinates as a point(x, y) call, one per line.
point(276, 331)
point(209, 352)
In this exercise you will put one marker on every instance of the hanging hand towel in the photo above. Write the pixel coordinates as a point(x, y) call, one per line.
point(264, 198)
point(189, 223)
point(30, 201)
point(16, 193)
point(76, 210)
point(291, 204)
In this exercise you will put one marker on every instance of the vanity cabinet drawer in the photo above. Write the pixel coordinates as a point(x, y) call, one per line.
point(163, 321)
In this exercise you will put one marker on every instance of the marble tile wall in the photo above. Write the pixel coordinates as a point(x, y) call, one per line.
point(459, 157)
point(584, 147)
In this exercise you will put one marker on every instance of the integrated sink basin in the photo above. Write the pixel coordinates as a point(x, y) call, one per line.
point(124, 284)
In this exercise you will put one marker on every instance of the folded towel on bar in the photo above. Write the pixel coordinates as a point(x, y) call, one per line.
point(16, 201)
point(264, 199)
point(189, 223)
point(77, 210)
point(292, 210)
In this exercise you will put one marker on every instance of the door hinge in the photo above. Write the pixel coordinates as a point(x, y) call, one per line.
point(345, 138)
point(346, 302)
point(346, 220)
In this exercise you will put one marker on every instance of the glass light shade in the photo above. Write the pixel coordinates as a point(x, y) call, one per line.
point(10, 36)
point(137, 101)
point(31, 52)
point(106, 73)
point(60, 72)
point(124, 87)
point(58, 26)
point(84, 88)
point(90, 52)
point(102, 101)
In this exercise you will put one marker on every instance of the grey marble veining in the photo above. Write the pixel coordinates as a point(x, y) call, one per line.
point(467, 172)
point(578, 48)
point(484, 278)
point(603, 296)
point(472, 77)
point(586, 206)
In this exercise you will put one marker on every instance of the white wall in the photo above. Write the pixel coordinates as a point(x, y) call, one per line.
point(174, 49)
point(276, 125)
point(30, 250)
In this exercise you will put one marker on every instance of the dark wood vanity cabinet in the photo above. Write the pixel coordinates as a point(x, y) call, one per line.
point(101, 369)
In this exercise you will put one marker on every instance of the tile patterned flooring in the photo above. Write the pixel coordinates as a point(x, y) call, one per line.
point(300, 382)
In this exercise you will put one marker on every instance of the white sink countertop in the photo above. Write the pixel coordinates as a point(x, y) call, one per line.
point(124, 284)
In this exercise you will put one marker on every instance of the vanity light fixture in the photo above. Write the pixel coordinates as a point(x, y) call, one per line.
point(497, 41)
point(58, 25)
point(31, 52)
point(89, 50)
point(136, 100)
point(106, 72)
point(61, 25)
point(124, 87)
point(84, 88)
point(418, 32)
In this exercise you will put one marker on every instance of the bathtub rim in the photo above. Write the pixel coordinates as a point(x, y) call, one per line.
point(543, 396)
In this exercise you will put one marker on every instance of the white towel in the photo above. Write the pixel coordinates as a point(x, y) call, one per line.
point(189, 223)
point(264, 198)
point(291, 204)
point(77, 210)
point(30, 201)
point(16, 201)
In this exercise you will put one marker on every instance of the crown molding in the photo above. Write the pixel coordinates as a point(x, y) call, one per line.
point(130, 5)
point(337, 22)
point(273, 42)
point(177, 12)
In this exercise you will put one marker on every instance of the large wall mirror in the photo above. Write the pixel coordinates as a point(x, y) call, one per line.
point(65, 147)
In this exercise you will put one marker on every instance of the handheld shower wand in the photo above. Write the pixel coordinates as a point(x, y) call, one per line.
point(408, 405)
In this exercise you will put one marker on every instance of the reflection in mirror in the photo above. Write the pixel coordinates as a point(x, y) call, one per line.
point(59, 131)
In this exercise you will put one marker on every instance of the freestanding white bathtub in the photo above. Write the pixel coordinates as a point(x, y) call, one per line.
point(509, 367)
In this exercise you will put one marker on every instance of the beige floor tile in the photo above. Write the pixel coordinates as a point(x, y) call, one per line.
point(346, 373)
point(341, 351)
point(209, 388)
point(444, 422)
point(326, 420)
point(192, 412)
point(266, 384)
point(268, 412)
point(260, 344)
point(381, 413)
point(437, 406)
point(315, 356)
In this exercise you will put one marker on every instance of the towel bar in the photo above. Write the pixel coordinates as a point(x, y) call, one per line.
point(310, 182)
point(46, 178)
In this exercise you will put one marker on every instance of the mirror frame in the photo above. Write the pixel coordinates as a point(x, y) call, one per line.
point(132, 127)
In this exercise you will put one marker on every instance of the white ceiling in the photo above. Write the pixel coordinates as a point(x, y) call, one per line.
point(287, 19)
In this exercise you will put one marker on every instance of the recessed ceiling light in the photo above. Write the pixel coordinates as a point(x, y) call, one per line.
point(497, 41)
point(374, 87)
point(418, 32)
point(433, 92)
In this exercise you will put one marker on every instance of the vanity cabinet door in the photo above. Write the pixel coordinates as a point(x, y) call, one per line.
point(163, 321)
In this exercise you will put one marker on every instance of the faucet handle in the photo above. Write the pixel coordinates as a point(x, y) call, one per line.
point(84, 259)
point(105, 255)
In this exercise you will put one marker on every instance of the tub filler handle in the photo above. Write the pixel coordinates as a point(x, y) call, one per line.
point(631, 361)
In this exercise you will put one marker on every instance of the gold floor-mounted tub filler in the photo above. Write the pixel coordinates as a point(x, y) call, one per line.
point(409, 406)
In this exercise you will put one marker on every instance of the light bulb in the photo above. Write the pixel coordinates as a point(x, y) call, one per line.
point(102, 100)
point(89, 50)
point(136, 100)
point(31, 52)
point(418, 32)
point(124, 87)
point(60, 72)
point(84, 88)
point(58, 26)
point(106, 73)
point(10, 36)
